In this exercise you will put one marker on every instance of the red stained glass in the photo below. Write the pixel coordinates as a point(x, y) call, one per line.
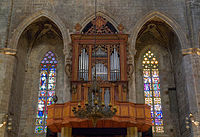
point(152, 90)
point(46, 90)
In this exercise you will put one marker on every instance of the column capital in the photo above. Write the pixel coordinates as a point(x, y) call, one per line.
point(189, 51)
point(8, 51)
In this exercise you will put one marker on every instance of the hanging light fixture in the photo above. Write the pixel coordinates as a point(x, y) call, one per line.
point(94, 109)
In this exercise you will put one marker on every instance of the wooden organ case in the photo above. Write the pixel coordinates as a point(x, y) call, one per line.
point(104, 48)
point(110, 66)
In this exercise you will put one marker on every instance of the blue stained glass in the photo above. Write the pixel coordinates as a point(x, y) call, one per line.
point(155, 73)
point(42, 93)
point(155, 80)
point(152, 115)
point(157, 107)
point(148, 93)
point(49, 101)
point(39, 129)
point(147, 79)
point(46, 90)
point(158, 114)
point(147, 86)
point(51, 86)
point(52, 79)
point(159, 122)
point(39, 121)
point(152, 84)
point(153, 122)
point(146, 73)
point(156, 93)
point(156, 86)
point(40, 114)
point(51, 93)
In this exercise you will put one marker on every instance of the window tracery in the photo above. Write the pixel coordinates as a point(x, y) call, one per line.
point(46, 90)
point(152, 90)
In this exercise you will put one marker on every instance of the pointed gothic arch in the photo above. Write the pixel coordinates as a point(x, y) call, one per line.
point(168, 20)
point(28, 21)
point(86, 20)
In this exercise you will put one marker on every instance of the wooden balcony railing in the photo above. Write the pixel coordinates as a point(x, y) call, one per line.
point(128, 115)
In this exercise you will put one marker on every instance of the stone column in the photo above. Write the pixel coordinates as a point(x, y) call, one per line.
point(131, 75)
point(67, 76)
point(132, 132)
point(191, 60)
point(66, 132)
point(7, 61)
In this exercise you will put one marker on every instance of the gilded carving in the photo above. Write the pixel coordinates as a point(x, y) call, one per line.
point(74, 87)
point(78, 28)
point(193, 51)
point(8, 51)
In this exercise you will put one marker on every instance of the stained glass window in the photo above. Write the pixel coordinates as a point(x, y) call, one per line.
point(152, 91)
point(46, 90)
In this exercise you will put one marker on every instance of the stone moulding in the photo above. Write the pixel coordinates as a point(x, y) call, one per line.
point(193, 51)
point(8, 51)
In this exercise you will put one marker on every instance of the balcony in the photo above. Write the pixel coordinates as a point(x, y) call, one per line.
point(128, 115)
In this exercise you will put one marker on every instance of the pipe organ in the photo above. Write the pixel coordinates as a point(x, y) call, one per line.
point(105, 54)
point(110, 61)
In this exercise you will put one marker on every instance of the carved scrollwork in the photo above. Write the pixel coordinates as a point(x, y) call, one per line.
point(130, 71)
point(125, 89)
point(191, 51)
point(74, 89)
point(68, 70)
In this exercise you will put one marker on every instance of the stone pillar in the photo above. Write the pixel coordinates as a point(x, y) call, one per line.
point(132, 132)
point(7, 61)
point(131, 75)
point(66, 132)
point(191, 60)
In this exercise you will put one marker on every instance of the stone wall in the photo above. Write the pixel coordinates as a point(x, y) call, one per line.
point(23, 82)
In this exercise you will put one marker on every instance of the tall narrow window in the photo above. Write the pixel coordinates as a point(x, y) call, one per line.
point(114, 65)
point(152, 91)
point(83, 65)
point(46, 90)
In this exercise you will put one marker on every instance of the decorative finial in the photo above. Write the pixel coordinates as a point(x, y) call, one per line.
point(120, 28)
point(78, 28)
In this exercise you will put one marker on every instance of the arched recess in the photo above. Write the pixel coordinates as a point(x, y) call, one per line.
point(43, 13)
point(168, 20)
point(32, 40)
point(159, 35)
point(86, 20)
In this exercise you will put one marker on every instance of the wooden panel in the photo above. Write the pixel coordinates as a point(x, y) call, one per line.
point(78, 92)
point(124, 110)
point(124, 118)
point(140, 112)
point(120, 92)
point(132, 111)
point(58, 113)
point(75, 62)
